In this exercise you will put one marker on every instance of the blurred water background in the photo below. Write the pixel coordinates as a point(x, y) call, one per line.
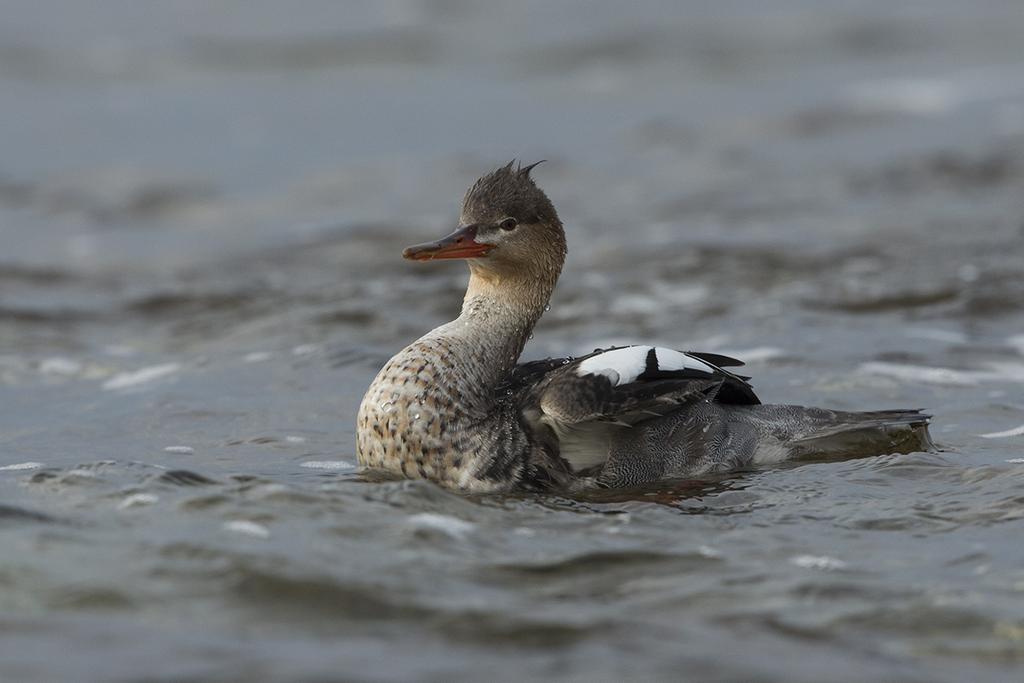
point(202, 206)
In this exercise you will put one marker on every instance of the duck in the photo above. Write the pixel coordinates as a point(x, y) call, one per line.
point(456, 406)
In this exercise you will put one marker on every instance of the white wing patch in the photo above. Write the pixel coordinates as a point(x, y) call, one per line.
point(623, 366)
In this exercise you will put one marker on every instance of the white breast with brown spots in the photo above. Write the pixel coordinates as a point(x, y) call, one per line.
point(413, 416)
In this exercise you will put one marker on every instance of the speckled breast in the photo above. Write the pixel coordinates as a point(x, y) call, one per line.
point(407, 418)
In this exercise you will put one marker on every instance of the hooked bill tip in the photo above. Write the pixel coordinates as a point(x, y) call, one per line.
point(417, 253)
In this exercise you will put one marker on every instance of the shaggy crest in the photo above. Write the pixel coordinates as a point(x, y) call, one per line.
point(508, 191)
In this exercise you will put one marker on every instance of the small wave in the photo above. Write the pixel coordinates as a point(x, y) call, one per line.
point(20, 466)
point(327, 465)
point(939, 335)
point(247, 528)
point(10, 512)
point(998, 372)
point(920, 373)
point(59, 366)
point(305, 349)
point(138, 500)
point(126, 380)
point(446, 524)
point(822, 562)
point(626, 561)
point(185, 478)
point(1015, 431)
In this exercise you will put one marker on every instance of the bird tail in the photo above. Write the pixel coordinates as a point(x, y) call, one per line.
point(835, 434)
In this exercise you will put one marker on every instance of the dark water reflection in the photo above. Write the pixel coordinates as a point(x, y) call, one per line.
point(202, 209)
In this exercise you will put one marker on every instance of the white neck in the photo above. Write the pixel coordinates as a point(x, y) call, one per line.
point(497, 319)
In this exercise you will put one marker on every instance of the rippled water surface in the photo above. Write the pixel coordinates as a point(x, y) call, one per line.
point(202, 208)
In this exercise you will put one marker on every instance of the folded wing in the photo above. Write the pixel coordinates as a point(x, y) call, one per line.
point(573, 403)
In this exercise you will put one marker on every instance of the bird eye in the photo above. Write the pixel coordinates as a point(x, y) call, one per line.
point(509, 224)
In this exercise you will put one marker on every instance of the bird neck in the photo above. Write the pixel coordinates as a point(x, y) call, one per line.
point(498, 315)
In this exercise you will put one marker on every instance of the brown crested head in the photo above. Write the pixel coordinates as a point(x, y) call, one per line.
point(508, 192)
point(507, 226)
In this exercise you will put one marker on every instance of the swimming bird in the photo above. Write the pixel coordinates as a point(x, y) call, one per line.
point(456, 407)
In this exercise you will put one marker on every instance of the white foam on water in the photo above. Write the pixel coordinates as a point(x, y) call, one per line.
point(822, 562)
point(137, 500)
point(1016, 461)
point(257, 356)
point(125, 380)
point(327, 465)
point(432, 521)
point(57, 365)
point(1016, 431)
point(295, 439)
point(19, 466)
point(81, 472)
point(184, 450)
point(305, 349)
point(240, 526)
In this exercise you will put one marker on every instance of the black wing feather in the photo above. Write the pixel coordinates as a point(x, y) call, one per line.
point(716, 359)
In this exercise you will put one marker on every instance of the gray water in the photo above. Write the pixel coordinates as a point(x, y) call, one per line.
point(202, 207)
